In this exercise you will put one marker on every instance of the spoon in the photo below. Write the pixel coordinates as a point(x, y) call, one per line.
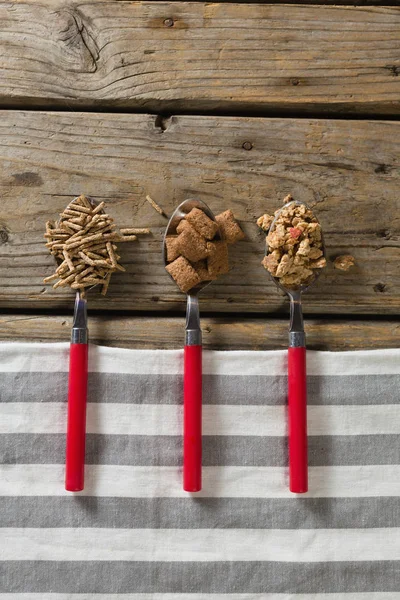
point(77, 392)
point(297, 379)
point(192, 379)
point(77, 397)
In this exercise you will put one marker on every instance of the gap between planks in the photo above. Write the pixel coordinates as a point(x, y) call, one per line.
point(227, 333)
point(193, 55)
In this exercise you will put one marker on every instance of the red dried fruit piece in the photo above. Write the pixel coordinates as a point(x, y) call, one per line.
point(295, 232)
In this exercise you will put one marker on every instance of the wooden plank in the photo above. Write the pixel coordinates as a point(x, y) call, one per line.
point(194, 56)
point(218, 333)
point(347, 170)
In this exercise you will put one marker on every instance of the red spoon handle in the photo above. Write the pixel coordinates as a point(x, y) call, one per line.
point(192, 400)
point(298, 467)
point(76, 428)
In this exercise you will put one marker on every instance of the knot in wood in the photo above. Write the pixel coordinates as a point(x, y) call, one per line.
point(3, 236)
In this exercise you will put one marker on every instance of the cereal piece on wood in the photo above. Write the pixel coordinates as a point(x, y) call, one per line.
point(217, 261)
point(183, 274)
point(135, 230)
point(120, 268)
point(50, 278)
point(155, 206)
point(231, 230)
point(122, 238)
point(205, 226)
point(172, 247)
point(344, 262)
point(190, 243)
point(106, 284)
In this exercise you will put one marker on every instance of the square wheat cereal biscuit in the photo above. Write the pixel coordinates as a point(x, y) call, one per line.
point(217, 261)
point(201, 268)
point(190, 243)
point(202, 223)
point(183, 274)
point(182, 225)
point(172, 247)
point(230, 228)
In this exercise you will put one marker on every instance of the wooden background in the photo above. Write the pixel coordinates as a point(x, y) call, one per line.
point(236, 104)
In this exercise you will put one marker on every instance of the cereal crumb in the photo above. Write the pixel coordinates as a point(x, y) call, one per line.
point(344, 262)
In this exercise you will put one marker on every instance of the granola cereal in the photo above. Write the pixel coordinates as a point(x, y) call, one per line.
point(294, 243)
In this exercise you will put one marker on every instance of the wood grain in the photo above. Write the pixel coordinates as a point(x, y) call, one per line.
point(218, 333)
point(194, 56)
point(347, 170)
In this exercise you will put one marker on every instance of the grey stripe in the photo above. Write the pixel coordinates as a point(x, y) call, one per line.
point(204, 513)
point(198, 577)
point(217, 450)
point(217, 389)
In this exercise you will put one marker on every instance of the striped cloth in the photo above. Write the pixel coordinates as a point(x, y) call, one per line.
point(133, 534)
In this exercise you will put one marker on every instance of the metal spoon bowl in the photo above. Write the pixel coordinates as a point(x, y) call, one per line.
point(296, 330)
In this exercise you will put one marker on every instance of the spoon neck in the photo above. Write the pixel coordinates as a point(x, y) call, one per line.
point(193, 332)
point(297, 336)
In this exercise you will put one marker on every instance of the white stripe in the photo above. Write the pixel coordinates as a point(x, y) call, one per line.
point(218, 482)
point(175, 545)
point(45, 357)
point(164, 419)
point(202, 596)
